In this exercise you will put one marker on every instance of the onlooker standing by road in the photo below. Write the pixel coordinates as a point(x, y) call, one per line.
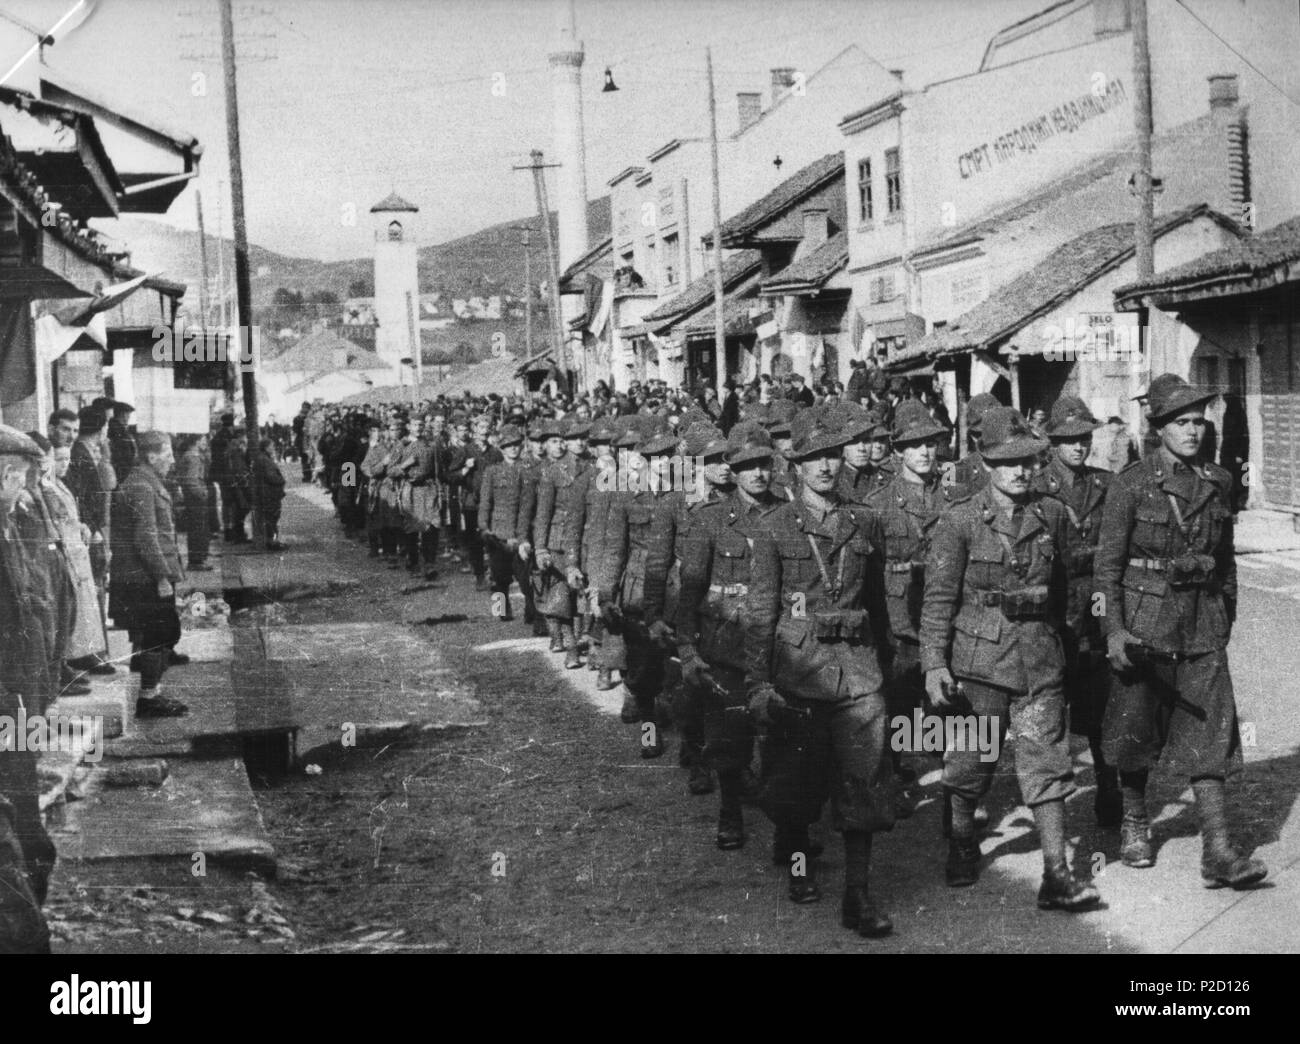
point(26, 853)
point(191, 476)
point(146, 567)
point(267, 482)
point(237, 481)
point(92, 481)
point(220, 472)
point(121, 442)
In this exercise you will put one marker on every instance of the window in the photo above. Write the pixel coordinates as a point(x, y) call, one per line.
point(882, 289)
point(395, 231)
point(893, 181)
point(670, 260)
point(864, 190)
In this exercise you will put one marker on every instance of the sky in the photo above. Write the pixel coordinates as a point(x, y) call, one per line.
point(344, 101)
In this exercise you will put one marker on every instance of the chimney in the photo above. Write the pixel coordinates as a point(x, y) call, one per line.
point(782, 81)
point(815, 231)
point(749, 104)
point(1223, 92)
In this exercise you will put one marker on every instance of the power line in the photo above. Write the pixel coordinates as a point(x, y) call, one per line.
point(1249, 64)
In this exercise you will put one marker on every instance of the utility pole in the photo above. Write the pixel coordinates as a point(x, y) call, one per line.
point(203, 261)
point(543, 210)
point(1144, 226)
point(719, 323)
point(528, 303)
point(243, 286)
point(221, 256)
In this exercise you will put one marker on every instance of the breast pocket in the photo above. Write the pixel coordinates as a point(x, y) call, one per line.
point(1150, 529)
point(731, 562)
point(797, 562)
point(984, 567)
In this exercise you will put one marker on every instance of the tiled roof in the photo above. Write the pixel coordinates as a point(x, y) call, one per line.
point(1245, 258)
point(699, 292)
point(597, 261)
point(813, 269)
point(315, 354)
point(393, 202)
point(1014, 305)
point(783, 197)
point(735, 315)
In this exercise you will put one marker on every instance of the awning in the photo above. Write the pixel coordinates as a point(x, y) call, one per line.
point(916, 367)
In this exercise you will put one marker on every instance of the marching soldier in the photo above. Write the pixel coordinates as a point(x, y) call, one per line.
point(860, 474)
point(390, 516)
point(968, 475)
point(900, 519)
point(584, 542)
point(813, 677)
point(705, 444)
point(1166, 570)
point(576, 431)
point(779, 418)
point(371, 468)
point(639, 551)
point(710, 620)
point(1081, 490)
point(557, 491)
point(505, 512)
point(986, 622)
point(420, 474)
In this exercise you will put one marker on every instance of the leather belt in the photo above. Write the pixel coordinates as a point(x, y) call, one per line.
point(729, 590)
point(1154, 564)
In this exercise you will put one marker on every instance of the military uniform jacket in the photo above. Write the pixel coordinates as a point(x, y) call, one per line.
point(506, 504)
point(715, 560)
point(1082, 495)
point(144, 533)
point(372, 465)
point(968, 476)
point(901, 517)
point(1140, 532)
point(584, 535)
point(471, 481)
point(977, 554)
point(854, 485)
point(560, 493)
point(807, 630)
point(640, 547)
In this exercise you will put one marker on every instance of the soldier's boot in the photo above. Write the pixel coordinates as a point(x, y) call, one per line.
point(963, 867)
point(858, 910)
point(731, 818)
point(701, 779)
point(1135, 828)
point(22, 926)
point(1108, 803)
point(631, 711)
point(605, 681)
point(556, 636)
point(1222, 866)
point(569, 640)
point(1061, 888)
point(789, 842)
point(981, 816)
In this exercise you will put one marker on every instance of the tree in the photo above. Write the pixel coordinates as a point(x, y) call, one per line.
point(361, 288)
point(323, 297)
point(286, 299)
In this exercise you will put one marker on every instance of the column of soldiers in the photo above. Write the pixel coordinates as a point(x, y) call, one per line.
point(796, 589)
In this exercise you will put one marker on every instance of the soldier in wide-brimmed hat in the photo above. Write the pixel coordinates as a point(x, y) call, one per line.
point(1081, 490)
point(1167, 574)
point(990, 652)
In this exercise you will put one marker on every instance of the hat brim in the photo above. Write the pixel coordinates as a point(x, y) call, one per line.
point(919, 433)
point(748, 455)
point(865, 429)
point(1073, 429)
point(1018, 447)
point(659, 446)
point(820, 444)
point(1180, 402)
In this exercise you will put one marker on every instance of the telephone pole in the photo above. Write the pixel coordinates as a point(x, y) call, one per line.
point(1144, 225)
point(719, 322)
point(203, 261)
point(543, 210)
point(243, 286)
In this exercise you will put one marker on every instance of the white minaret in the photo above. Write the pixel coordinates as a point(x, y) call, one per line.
point(570, 145)
point(397, 290)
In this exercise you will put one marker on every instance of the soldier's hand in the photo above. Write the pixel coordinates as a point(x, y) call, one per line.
point(938, 684)
point(1115, 651)
point(764, 700)
point(543, 559)
point(525, 549)
point(574, 578)
point(609, 611)
point(660, 633)
point(695, 672)
point(165, 588)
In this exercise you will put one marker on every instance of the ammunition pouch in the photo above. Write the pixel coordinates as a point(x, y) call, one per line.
point(1020, 603)
point(1188, 571)
point(839, 624)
